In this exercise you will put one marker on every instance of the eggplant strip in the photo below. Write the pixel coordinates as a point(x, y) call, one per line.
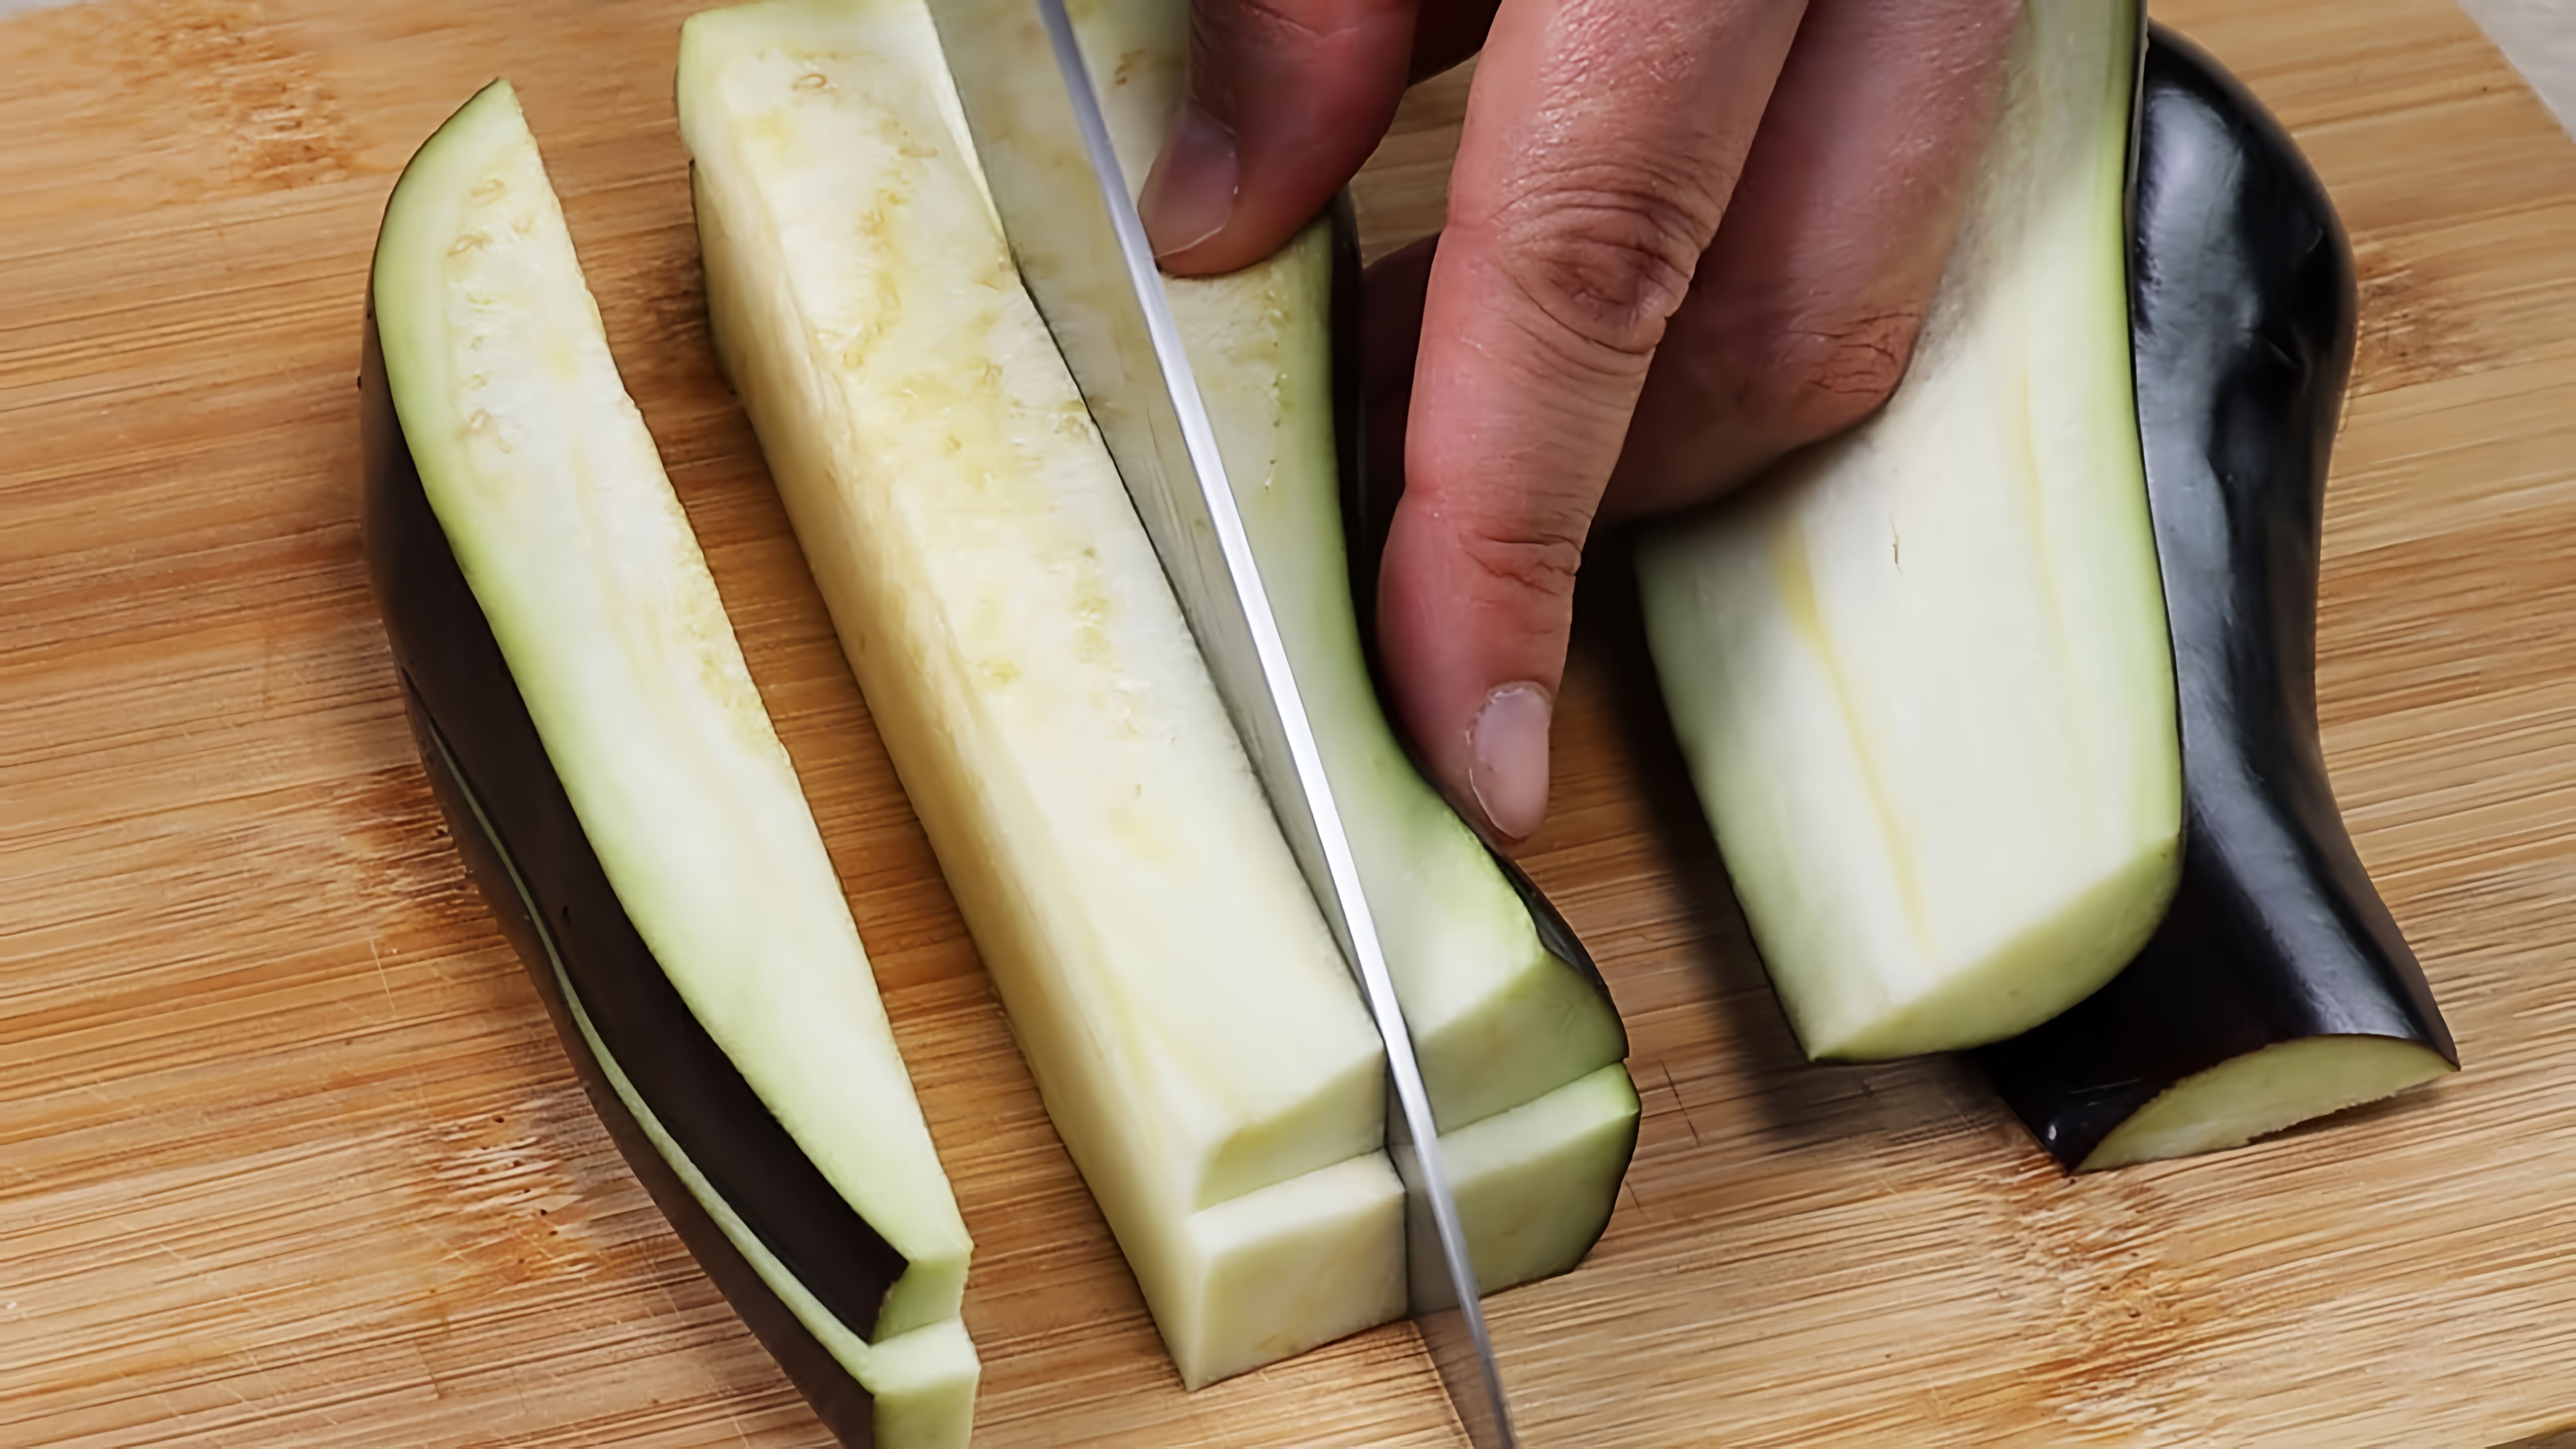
point(2278, 987)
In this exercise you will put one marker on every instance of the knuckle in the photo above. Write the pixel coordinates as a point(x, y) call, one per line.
point(1605, 260)
point(1538, 557)
point(1817, 375)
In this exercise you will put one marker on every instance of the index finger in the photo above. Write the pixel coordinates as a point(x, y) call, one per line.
point(1602, 143)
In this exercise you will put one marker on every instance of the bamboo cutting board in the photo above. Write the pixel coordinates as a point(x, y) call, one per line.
point(288, 1154)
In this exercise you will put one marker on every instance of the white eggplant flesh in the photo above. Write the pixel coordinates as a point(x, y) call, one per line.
point(1497, 1019)
point(1520, 1048)
point(554, 504)
point(1921, 674)
point(1180, 1002)
point(1535, 1184)
point(2264, 1091)
point(1170, 981)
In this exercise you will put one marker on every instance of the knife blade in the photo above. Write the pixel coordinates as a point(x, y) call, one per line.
point(1052, 171)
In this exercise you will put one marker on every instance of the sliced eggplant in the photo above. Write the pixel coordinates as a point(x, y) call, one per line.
point(1180, 1003)
point(616, 788)
point(1196, 1038)
point(2278, 988)
point(1502, 1001)
point(1521, 1045)
point(1921, 674)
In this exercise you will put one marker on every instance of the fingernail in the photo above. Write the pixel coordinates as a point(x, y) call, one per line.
point(1507, 765)
point(1191, 191)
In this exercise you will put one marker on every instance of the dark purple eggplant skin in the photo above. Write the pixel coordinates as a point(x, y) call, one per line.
point(845, 1408)
point(2242, 316)
point(477, 741)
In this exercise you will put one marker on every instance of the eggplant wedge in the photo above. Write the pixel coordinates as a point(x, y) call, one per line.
point(1521, 1046)
point(1502, 1000)
point(1178, 999)
point(2278, 988)
point(620, 797)
point(1192, 1029)
point(1920, 673)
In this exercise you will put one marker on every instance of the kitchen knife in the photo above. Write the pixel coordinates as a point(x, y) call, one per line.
point(1062, 197)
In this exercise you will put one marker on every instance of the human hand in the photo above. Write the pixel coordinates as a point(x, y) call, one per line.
point(1684, 237)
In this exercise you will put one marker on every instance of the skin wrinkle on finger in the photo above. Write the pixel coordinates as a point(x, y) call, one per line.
point(1604, 271)
point(1542, 558)
point(1603, 239)
point(1868, 357)
point(1857, 360)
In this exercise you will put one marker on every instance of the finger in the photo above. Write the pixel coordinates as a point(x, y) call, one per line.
point(1806, 307)
point(1286, 100)
point(1602, 140)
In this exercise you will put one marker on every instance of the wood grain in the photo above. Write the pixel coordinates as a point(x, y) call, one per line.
point(289, 1156)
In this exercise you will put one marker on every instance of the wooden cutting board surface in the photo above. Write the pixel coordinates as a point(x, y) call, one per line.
point(288, 1154)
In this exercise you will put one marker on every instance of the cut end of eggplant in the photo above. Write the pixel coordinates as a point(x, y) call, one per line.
point(2267, 1091)
point(2277, 988)
point(613, 781)
point(1535, 1185)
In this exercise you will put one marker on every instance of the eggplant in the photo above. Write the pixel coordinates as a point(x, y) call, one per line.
point(1501, 998)
point(2277, 988)
point(1181, 1006)
point(617, 792)
point(1190, 1025)
point(1920, 673)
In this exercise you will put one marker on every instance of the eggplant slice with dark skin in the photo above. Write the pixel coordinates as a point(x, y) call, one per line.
point(525, 850)
point(2278, 987)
